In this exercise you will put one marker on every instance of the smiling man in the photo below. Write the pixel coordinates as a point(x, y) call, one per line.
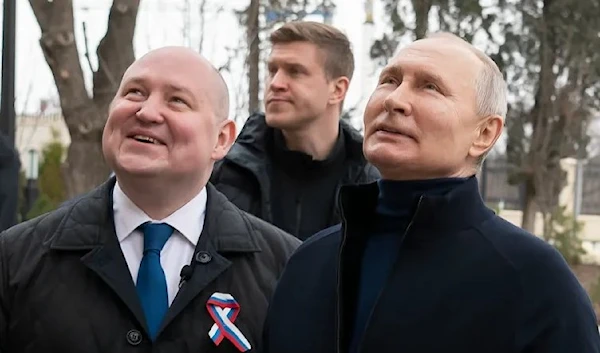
point(419, 263)
point(155, 259)
point(287, 164)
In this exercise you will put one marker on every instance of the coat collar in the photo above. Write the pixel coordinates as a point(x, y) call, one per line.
point(89, 223)
point(88, 226)
point(460, 208)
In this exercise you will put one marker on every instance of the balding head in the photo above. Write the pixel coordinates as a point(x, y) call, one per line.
point(166, 127)
point(197, 66)
point(437, 110)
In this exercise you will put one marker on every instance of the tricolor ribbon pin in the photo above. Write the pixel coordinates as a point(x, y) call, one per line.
point(224, 309)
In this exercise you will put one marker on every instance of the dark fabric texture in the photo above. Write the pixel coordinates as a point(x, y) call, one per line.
point(464, 281)
point(9, 183)
point(65, 285)
point(251, 178)
point(304, 190)
point(395, 207)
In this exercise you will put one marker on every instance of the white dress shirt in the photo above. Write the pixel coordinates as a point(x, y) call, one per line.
point(187, 222)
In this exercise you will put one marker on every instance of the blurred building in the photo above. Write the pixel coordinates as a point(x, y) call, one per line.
point(34, 131)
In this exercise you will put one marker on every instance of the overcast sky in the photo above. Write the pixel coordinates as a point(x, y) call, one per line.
point(160, 23)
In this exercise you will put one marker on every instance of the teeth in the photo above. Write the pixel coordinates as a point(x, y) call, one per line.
point(145, 139)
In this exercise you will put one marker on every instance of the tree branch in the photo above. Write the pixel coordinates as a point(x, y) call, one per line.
point(115, 51)
point(87, 50)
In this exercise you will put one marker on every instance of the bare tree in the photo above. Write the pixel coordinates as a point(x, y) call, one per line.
point(85, 115)
point(252, 33)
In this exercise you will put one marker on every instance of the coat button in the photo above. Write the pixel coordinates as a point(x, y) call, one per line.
point(134, 337)
point(203, 257)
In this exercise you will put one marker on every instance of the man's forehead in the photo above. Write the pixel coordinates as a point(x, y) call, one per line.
point(293, 52)
point(168, 72)
point(436, 56)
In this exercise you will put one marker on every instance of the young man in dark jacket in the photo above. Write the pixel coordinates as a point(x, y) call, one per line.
point(156, 259)
point(287, 165)
point(419, 263)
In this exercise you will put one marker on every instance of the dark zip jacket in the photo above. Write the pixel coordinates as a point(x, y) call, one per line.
point(464, 281)
point(245, 175)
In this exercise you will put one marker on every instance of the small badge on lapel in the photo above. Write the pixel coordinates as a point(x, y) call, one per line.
point(224, 310)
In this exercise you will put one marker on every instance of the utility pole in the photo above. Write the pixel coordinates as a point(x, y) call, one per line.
point(9, 169)
point(7, 102)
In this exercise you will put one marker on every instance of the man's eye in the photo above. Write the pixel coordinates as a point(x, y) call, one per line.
point(388, 80)
point(133, 91)
point(179, 100)
point(431, 86)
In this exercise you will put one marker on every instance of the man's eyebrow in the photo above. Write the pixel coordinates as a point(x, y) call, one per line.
point(286, 64)
point(420, 74)
point(391, 70)
point(431, 77)
point(176, 88)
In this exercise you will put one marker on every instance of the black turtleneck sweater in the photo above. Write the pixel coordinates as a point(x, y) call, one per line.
point(303, 190)
point(396, 205)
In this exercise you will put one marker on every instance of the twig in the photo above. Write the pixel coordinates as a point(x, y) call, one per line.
point(202, 24)
point(87, 51)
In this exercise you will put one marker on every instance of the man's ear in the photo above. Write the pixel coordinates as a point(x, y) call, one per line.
point(225, 139)
point(339, 87)
point(488, 132)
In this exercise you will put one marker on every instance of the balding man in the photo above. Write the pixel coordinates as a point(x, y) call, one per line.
point(420, 264)
point(154, 260)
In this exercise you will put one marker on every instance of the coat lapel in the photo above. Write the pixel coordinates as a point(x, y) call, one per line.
point(90, 227)
point(225, 232)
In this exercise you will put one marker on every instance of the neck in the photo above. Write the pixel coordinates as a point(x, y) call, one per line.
point(316, 140)
point(398, 174)
point(164, 198)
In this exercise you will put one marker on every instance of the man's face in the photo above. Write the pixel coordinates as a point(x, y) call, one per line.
point(421, 120)
point(297, 91)
point(162, 121)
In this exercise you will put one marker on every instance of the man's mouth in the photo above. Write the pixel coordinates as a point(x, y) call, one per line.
point(393, 131)
point(146, 139)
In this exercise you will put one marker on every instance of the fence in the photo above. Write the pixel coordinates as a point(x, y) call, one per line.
point(584, 188)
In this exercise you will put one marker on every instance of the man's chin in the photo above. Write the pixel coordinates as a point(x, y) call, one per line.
point(139, 170)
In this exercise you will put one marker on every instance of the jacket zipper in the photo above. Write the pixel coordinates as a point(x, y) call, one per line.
point(364, 333)
point(337, 287)
point(298, 215)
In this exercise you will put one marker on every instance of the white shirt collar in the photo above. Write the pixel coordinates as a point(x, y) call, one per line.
point(188, 220)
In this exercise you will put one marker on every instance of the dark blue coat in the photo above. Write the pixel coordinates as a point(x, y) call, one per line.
point(465, 281)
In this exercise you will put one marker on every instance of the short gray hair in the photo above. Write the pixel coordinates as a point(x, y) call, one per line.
point(490, 87)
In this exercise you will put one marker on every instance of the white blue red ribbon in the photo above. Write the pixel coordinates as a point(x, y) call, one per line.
point(224, 310)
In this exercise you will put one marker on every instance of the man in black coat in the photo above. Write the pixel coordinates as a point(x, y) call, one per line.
point(155, 259)
point(419, 263)
point(9, 183)
point(287, 165)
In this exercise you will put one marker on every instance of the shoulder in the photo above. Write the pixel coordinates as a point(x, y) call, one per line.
point(236, 226)
point(542, 271)
point(271, 236)
point(319, 248)
point(518, 246)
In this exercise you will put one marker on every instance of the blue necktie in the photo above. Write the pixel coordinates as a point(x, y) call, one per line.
point(151, 281)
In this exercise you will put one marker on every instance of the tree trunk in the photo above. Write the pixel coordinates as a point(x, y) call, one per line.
point(529, 208)
point(252, 35)
point(85, 116)
point(421, 8)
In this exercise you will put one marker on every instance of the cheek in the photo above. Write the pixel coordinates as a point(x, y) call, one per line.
point(196, 138)
point(121, 111)
point(373, 108)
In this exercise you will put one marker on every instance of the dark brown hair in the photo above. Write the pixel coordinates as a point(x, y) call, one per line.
point(339, 60)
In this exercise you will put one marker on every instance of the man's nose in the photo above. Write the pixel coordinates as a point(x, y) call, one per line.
point(278, 82)
point(150, 111)
point(398, 101)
